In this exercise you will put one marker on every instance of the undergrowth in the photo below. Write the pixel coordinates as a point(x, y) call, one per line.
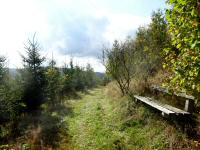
point(99, 120)
point(108, 122)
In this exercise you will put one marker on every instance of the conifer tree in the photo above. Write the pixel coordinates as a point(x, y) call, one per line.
point(33, 78)
point(53, 85)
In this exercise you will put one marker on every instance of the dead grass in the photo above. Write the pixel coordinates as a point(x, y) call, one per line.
point(113, 91)
point(159, 78)
point(43, 130)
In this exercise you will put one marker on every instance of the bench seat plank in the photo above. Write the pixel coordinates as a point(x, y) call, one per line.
point(154, 104)
point(174, 109)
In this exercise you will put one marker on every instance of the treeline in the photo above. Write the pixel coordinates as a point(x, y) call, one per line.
point(134, 61)
point(36, 84)
point(166, 52)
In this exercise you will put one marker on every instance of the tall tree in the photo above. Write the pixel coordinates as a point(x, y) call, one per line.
point(149, 44)
point(183, 60)
point(33, 75)
point(10, 94)
point(140, 57)
point(118, 62)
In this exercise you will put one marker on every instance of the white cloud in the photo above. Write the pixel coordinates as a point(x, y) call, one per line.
point(54, 20)
point(122, 24)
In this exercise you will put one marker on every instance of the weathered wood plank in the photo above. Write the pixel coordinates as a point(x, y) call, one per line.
point(164, 108)
point(154, 104)
point(183, 94)
point(174, 109)
point(189, 99)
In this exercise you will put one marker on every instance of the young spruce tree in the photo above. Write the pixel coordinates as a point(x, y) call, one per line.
point(33, 79)
point(53, 83)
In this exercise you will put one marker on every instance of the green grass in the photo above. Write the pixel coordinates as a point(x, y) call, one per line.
point(98, 120)
point(101, 122)
point(94, 125)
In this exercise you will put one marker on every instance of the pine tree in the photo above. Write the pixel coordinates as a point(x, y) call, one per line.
point(33, 78)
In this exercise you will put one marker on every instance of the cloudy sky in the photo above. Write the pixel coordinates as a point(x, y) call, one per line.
point(70, 28)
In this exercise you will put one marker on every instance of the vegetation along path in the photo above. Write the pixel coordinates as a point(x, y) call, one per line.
point(106, 122)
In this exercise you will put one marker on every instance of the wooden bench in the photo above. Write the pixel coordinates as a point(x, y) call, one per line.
point(189, 100)
point(164, 108)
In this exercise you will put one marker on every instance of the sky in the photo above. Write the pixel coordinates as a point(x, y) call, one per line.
point(67, 29)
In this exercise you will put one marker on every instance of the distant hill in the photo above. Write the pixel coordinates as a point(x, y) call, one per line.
point(100, 74)
point(13, 72)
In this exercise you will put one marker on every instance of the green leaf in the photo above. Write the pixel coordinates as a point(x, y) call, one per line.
point(193, 45)
point(179, 45)
point(194, 12)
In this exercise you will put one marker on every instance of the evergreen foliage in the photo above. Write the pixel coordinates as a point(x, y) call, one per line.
point(10, 95)
point(33, 79)
point(53, 83)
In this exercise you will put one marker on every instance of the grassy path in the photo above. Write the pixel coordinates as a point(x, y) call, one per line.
point(95, 123)
point(100, 122)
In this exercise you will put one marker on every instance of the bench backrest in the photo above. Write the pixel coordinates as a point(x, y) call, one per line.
point(179, 100)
